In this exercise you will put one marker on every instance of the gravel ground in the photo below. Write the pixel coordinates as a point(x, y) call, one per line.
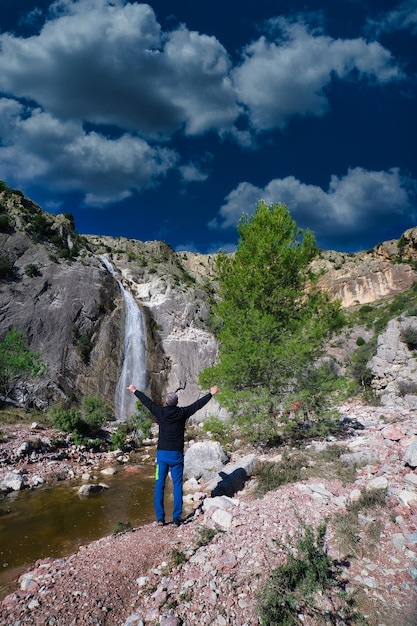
point(153, 575)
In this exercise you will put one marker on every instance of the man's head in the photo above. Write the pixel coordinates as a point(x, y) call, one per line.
point(171, 399)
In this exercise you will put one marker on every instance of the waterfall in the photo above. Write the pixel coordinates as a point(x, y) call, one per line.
point(134, 361)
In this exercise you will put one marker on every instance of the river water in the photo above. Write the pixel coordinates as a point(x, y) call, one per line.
point(54, 521)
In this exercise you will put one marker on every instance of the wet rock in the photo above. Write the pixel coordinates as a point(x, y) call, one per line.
point(108, 471)
point(13, 482)
point(91, 489)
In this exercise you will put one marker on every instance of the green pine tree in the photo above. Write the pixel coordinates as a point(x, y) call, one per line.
point(272, 319)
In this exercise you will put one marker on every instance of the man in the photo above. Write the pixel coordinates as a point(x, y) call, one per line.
point(171, 420)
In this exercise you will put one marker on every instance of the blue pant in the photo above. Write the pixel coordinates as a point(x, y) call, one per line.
point(168, 460)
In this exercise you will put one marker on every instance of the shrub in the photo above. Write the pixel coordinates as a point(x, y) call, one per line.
point(136, 428)
point(95, 412)
point(359, 363)
point(409, 337)
point(4, 222)
point(66, 419)
point(17, 362)
point(270, 476)
point(216, 427)
point(353, 540)
point(6, 267)
point(360, 341)
point(122, 527)
point(407, 388)
point(83, 345)
point(298, 586)
point(32, 270)
point(118, 438)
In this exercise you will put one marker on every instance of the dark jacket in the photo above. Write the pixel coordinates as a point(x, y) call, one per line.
point(171, 420)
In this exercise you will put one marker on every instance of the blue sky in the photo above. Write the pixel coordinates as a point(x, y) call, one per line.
point(169, 120)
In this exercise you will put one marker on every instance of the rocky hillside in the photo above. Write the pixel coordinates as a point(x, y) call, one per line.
point(55, 287)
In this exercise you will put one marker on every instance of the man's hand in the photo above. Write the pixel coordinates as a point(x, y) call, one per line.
point(132, 388)
point(214, 390)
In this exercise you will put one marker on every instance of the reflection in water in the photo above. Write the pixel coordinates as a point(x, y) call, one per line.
point(55, 521)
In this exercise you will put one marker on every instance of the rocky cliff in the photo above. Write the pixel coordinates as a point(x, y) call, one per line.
point(54, 290)
point(365, 277)
point(55, 287)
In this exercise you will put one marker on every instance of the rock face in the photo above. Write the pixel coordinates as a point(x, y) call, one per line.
point(55, 288)
point(364, 277)
point(394, 367)
point(175, 291)
point(62, 299)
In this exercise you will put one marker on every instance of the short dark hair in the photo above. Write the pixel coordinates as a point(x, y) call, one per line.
point(171, 399)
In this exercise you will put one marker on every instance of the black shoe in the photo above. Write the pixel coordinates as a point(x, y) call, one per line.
point(160, 522)
point(177, 521)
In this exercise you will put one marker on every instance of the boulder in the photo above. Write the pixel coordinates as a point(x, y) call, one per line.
point(91, 489)
point(378, 483)
point(13, 482)
point(410, 457)
point(203, 460)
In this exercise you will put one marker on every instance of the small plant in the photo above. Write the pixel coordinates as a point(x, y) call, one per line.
point(6, 268)
point(360, 341)
point(298, 586)
point(177, 557)
point(352, 538)
point(205, 535)
point(409, 337)
point(66, 419)
point(95, 412)
point(32, 270)
point(216, 427)
point(122, 527)
point(272, 475)
point(407, 388)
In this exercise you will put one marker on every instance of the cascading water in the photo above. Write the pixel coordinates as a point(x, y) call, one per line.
point(134, 362)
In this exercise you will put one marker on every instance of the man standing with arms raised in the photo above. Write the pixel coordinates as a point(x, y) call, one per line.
point(171, 420)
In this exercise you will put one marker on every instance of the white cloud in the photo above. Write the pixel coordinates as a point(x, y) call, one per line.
point(100, 65)
point(191, 173)
point(361, 201)
point(63, 157)
point(109, 63)
point(280, 79)
point(402, 17)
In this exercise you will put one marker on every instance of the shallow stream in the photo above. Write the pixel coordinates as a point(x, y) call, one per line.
point(54, 521)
